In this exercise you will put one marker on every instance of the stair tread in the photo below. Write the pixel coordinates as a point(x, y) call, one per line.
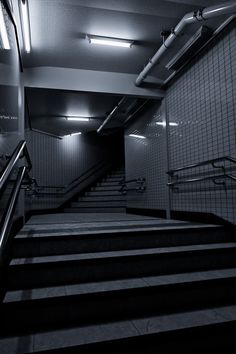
point(79, 336)
point(116, 285)
point(123, 253)
point(87, 229)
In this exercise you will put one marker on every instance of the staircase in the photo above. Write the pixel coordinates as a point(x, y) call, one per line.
point(103, 197)
point(117, 283)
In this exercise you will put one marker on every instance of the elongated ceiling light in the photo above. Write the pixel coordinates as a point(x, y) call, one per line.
point(25, 25)
point(78, 119)
point(115, 42)
point(3, 31)
point(137, 136)
point(79, 133)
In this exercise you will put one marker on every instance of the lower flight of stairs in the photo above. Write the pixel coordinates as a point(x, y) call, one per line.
point(150, 289)
point(103, 197)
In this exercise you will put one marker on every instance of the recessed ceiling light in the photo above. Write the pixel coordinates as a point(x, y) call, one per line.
point(79, 119)
point(137, 136)
point(115, 42)
point(3, 31)
point(25, 25)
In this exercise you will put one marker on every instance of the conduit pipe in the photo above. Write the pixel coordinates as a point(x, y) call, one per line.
point(110, 115)
point(198, 15)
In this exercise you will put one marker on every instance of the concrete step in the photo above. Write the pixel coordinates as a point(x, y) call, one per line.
point(201, 331)
point(108, 184)
point(78, 304)
point(95, 210)
point(103, 198)
point(106, 188)
point(99, 204)
point(101, 193)
point(104, 237)
point(90, 267)
point(118, 176)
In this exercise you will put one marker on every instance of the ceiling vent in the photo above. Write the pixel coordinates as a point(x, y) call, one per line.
point(190, 48)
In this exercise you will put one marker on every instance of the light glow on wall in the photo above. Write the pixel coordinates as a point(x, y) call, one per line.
point(171, 124)
point(137, 136)
point(3, 31)
point(25, 25)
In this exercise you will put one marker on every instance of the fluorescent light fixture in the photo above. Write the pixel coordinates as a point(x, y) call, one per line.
point(25, 25)
point(115, 42)
point(3, 31)
point(137, 136)
point(79, 133)
point(79, 119)
point(163, 124)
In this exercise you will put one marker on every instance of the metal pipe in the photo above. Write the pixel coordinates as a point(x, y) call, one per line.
point(199, 15)
point(110, 115)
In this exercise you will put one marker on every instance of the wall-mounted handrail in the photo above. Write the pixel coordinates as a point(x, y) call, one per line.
point(202, 179)
point(67, 188)
point(6, 221)
point(203, 163)
point(20, 149)
point(140, 185)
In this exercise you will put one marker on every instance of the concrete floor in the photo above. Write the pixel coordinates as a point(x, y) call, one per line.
point(62, 224)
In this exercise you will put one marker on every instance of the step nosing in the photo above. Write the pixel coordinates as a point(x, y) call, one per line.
point(122, 254)
point(128, 329)
point(122, 285)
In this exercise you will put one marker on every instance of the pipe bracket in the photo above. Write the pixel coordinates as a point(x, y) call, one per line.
point(200, 16)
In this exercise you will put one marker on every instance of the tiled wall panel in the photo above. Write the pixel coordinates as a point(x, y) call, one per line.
point(58, 162)
point(203, 103)
point(201, 113)
point(146, 158)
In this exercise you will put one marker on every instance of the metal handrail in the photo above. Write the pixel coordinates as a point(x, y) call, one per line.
point(140, 182)
point(62, 190)
point(6, 221)
point(16, 155)
point(203, 163)
point(201, 179)
point(72, 182)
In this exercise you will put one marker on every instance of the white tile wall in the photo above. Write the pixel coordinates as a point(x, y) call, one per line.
point(202, 101)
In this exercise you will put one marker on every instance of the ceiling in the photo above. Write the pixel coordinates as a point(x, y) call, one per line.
point(58, 36)
point(48, 110)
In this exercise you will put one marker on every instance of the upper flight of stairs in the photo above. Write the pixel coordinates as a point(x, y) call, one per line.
point(119, 284)
point(102, 197)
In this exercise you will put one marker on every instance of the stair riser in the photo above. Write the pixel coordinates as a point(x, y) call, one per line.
point(29, 275)
point(46, 246)
point(116, 305)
